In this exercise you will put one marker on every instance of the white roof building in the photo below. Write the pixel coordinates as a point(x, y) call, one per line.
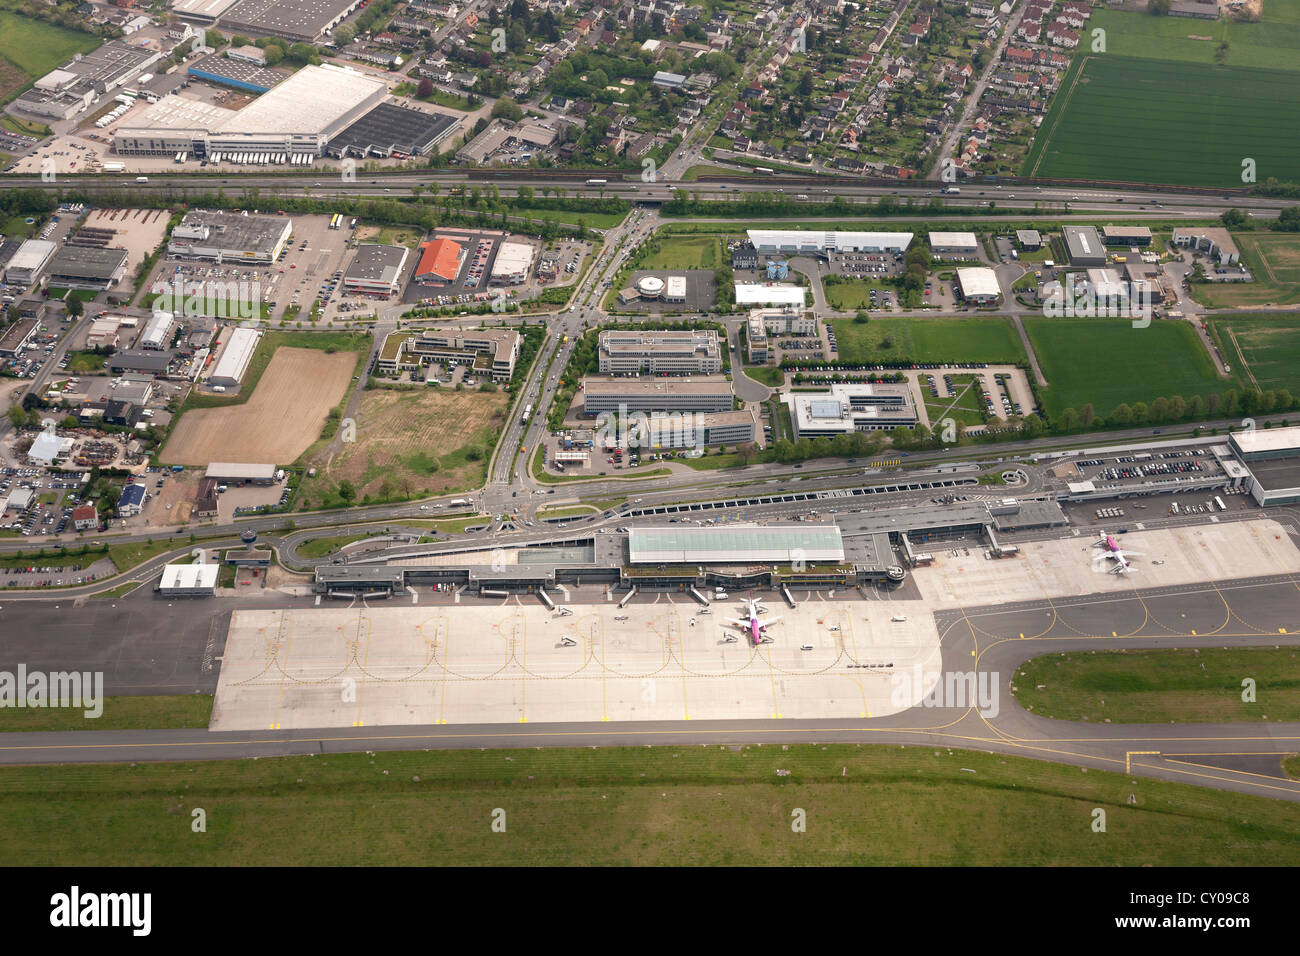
point(48, 446)
point(953, 242)
point(235, 357)
point(157, 334)
point(188, 579)
point(754, 294)
point(978, 283)
point(794, 241)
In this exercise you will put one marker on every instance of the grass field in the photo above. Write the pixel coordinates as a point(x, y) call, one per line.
point(1161, 686)
point(1264, 349)
point(853, 294)
point(1273, 259)
point(682, 806)
point(1132, 118)
point(684, 252)
point(29, 49)
point(881, 340)
point(428, 441)
point(1107, 361)
point(85, 363)
point(319, 547)
point(285, 414)
point(1270, 43)
point(179, 712)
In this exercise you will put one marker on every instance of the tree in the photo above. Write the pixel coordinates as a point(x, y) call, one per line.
point(347, 491)
point(425, 89)
point(1087, 415)
point(76, 307)
point(507, 108)
point(1122, 415)
point(274, 54)
point(345, 33)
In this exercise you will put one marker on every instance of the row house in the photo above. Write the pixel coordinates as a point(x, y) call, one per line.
point(1061, 36)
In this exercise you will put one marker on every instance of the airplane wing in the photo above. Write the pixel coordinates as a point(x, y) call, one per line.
point(768, 622)
point(738, 623)
point(1128, 553)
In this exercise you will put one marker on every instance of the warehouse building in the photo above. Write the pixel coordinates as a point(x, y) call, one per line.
point(844, 409)
point(1083, 246)
point(440, 262)
point(233, 362)
point(808, 242)
point(298, 116)
point(703, 394)
point(390, 130)
point(16, 336)
point(703, 430)
point(978, 285)
point(1215, 242)
point(501, 134)
point(693, 352)
point(139, 360)
point(86, 267)
point(376, 270)
point(513, 263)
point(237, 72)
point(229, 237)
point(172, 125)
point(954, 245)
point(158, 333)
point(1126, 235)
point(300, 21)
point(29, 262)
point(202, 11)
point(188, 580)
point(64, 92)
point(241, 473)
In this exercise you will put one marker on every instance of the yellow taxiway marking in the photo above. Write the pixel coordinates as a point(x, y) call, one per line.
point(1131, 753)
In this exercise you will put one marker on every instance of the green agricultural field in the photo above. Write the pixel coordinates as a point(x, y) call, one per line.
point(1162, 686)
point(643, 806)
point(1137, 119)
point(29, 49)
point(1264, 349)
point(1107, 362)
point(688, 252)
point(1270, 43)
point(882, 340)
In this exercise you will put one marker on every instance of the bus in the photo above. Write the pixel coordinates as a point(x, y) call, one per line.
point(1219, 501)
point(528, 410)
point(597, 182)
point(765, 170)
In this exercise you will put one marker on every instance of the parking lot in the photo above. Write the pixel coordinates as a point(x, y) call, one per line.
point(864, 265)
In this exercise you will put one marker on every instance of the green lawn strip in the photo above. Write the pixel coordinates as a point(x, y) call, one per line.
point(319, 547)
point(120, 591)
point(770, 375)
point(1159, 686)
point(169, 712)
point(684, 805)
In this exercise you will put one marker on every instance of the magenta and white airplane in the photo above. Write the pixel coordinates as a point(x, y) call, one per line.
point(754, 624)
point(1111, 551)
